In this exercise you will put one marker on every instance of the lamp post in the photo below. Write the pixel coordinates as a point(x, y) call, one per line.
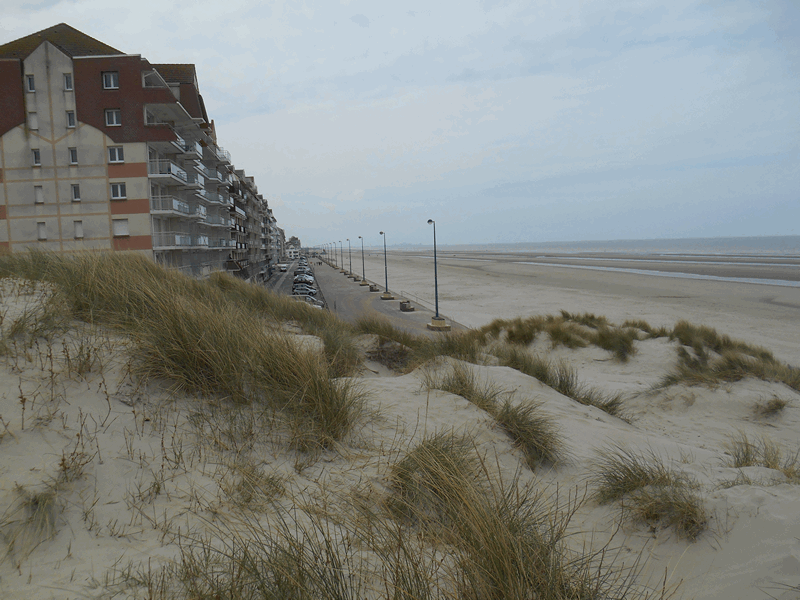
point(341, 256)
point(350, 258)
point(437, 323)
point(386, 295)
point(363, 271)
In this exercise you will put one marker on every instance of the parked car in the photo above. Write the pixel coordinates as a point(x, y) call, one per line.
point(304, 291)
point(304, 279)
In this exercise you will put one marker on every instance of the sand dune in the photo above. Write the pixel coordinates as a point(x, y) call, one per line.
point(104, 476)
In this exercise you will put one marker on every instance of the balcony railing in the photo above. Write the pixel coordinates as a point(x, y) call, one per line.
point(210, 174)
point(212, 197)
point(166, 167)
point(217, 220)
point(179, 142)
point(195, 180)
point(193, 148)
point(172, 239)
point(223, 154)
point(170, 204)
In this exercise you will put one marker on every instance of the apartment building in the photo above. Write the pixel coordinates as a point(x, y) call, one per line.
point(102, 150)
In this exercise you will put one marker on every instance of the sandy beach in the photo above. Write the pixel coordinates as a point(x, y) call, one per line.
point(476, 288)
point(153, 469)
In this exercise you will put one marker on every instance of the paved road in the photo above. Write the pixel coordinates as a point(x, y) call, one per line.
point(349, 300)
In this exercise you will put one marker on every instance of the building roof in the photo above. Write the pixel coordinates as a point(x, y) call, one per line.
point(177, 73)
point(64, 37)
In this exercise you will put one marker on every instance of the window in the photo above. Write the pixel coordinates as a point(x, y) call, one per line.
point(41, 230)
point(67, 82)
point(33, 121)
point(73, 156)
point(70, 119)
point(78, 227)
point(115, 154)
point(118, 191)
point(37, 158)
point(110, 80)
point(38, 194)
point(119, 227)
point(113, 117)
point(30, 86)
point(76, 192)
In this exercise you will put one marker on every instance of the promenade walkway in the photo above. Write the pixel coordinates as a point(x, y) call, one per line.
point(349, 300)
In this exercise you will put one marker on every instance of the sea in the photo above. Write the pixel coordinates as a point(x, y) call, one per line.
point(787, 246)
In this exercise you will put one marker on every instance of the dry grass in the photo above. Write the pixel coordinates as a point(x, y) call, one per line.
point(770, 408)
point(560, 376)
point(568, 330)
point(654, 493)
point(460, 379)
point(707, 358)
point(532, 430)
point(214, 338)
point(762, 452)
point(432, 478)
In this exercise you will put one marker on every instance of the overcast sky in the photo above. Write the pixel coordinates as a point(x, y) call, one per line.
point(503, 121)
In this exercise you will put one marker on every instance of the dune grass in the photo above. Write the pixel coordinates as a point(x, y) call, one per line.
point(769, 408)
point(508, 540)
point(460, 379)
point(432, 478)
point(559, 376)
point(569, 330)
point(532, 430)
point(762, 452)
point(650, 491)
point(706, 357)
point(215, 338)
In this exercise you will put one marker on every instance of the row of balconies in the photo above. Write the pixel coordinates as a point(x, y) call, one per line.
point(170, 205)
point(183, 241)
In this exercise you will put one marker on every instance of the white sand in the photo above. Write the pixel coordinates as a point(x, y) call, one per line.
point(155, 466)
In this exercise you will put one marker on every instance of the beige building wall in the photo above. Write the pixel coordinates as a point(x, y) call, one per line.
point(53, 204)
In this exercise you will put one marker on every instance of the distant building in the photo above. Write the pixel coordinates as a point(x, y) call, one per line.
point(293, 248)
point(103, 150)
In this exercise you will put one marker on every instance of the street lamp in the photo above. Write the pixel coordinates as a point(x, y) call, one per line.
point(437, 323)
point(341, 256)
point(386, 295)
point(363, 271)
point(350, 257)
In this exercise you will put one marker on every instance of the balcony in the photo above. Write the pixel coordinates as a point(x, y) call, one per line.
point(210, 174)
point(223, 155)
point(191, 150)
point(175, 206)
point(217, 221)
point(167, 171)
point(166, 240)
point(194, 181)
point(212, 197)
point(178, 142)
point(221, 243)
